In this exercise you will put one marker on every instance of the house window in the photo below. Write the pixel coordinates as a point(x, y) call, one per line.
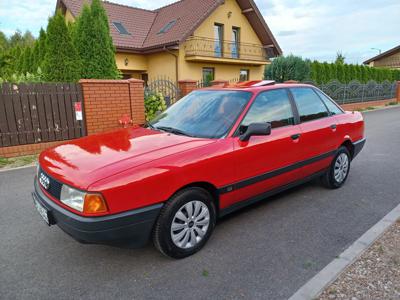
point(208, 76)
point(120, 27)
point(235, 42)
point(219, 39)
point(244, 75)
point(167, 27)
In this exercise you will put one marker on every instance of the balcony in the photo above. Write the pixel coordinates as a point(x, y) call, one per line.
point(211, 50)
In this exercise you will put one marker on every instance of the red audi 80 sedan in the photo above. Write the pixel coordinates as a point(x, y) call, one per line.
point(213, 152)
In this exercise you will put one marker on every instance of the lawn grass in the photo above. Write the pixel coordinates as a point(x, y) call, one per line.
point(15, 162)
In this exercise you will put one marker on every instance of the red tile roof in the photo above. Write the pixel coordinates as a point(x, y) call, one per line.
point(144, 25)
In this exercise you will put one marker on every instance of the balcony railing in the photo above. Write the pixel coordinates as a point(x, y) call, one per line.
point(205, 47)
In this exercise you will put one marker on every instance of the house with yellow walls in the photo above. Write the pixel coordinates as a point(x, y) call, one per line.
point(188, 39)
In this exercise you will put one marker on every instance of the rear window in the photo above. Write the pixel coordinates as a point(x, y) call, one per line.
point(309, 105)
point(333, 108)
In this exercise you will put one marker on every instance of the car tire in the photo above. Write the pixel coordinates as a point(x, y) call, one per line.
point(339, 169)
point(185, 223)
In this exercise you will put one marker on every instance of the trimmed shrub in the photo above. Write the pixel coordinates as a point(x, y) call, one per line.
point(288, 68)
point(94, 43)
point(154, 104)
point(61, 61)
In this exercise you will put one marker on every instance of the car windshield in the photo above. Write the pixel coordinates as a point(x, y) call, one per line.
point(204, 114)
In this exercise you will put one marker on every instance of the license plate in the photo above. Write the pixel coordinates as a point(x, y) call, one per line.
point(42, 211)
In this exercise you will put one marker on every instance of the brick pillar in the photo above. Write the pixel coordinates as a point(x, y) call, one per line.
point(398, 91)
point(219, 82)
point(106, 101)
point(136, 87)
point(187, 86)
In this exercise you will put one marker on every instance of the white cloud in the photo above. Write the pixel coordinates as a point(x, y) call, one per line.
point(324, 27)
point(25, 15)
point(310, 28)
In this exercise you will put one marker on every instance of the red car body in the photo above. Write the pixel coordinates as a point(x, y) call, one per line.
point(139, 168)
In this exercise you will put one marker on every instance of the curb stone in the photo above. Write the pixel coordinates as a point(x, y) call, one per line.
point(315, 286)
point(17, 168)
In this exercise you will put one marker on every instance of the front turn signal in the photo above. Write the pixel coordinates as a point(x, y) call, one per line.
point(94, 204)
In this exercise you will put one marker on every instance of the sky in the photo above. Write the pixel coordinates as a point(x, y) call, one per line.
point(314, 29)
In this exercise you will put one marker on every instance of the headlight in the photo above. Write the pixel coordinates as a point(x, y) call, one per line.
point(89, 203)
point(72, 198)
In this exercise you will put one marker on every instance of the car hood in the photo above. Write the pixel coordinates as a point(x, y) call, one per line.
point(84, 161)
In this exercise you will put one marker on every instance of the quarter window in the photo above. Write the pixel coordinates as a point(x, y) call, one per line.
point(309, 105)
point(273, 107)
point(333, 108)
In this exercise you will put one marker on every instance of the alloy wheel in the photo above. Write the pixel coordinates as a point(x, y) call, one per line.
point(341, 167)
point(190, 224)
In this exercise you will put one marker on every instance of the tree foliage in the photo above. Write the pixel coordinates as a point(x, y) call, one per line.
point(154, 103)
point(289, 67)
point(94, 43)
point(295, 68)
point(61, 61)
point(340, 58)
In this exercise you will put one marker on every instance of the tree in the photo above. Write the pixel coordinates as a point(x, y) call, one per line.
point(288, 68)
point(340, 73)
point(3, 42)
point(61, 62)
point(333, 72)
point(28, 38)
point(94, 43)
point(364, 75)
point(35, 57)
point(340, 58)
point(42, 47)
point(26, 61)
point(17, 39)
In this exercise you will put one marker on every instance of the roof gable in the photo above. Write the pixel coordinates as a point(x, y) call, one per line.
point(383, 55)
point(144, 25)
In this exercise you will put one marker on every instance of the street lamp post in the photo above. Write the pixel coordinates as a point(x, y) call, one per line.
point(380, 50)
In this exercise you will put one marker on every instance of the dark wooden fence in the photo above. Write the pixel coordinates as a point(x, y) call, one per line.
point(39, 112)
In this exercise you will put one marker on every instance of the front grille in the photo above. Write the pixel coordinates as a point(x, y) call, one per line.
point(54, 187)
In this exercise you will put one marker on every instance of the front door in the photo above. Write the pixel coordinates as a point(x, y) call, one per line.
point(266, 162)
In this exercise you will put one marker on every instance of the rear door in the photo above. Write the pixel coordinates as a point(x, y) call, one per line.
point(265, 162)
point(318, 130)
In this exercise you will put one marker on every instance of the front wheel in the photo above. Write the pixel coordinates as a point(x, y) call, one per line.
point(339, 170)
point(185, 223)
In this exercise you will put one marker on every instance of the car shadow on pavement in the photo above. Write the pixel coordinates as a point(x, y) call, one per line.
point(262, 204)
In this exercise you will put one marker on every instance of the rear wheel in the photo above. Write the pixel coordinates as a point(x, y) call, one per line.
point(339, 170)
point(185, 223)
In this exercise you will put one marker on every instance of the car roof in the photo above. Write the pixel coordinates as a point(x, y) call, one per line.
point(249, 86)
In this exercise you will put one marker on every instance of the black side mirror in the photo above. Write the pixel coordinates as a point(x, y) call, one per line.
point(255, 129)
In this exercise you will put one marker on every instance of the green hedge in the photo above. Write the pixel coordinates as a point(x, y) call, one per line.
point(325, 72)
point(296, 68)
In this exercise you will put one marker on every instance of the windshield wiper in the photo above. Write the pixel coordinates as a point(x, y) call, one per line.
point(173, 130)
point(148, 124)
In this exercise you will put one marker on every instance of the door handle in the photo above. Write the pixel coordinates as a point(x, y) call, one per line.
point(333, 126)
point(296, 136)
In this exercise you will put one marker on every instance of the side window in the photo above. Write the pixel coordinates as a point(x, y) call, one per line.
point(309, 105)
point(273, 107)
point(333, 108)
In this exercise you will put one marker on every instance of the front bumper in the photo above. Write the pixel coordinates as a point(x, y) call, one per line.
point(132, 228)
point(358, 146)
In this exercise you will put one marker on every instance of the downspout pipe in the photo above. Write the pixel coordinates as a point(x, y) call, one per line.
point(176, 62)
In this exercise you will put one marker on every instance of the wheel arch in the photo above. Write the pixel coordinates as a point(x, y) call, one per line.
point(209, 187)
point(350, 147)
